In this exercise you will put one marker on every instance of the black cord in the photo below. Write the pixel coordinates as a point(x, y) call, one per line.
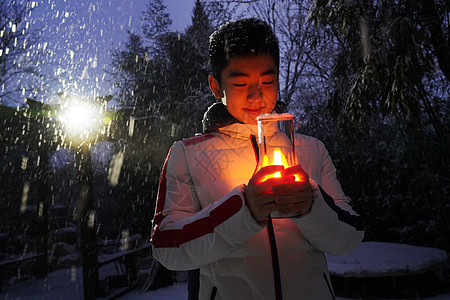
point(275, 261)
point(272, 240)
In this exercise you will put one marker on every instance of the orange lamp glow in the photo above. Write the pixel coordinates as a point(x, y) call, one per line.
point(279, 160)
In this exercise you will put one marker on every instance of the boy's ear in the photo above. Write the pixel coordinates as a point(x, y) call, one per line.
point(214, 85)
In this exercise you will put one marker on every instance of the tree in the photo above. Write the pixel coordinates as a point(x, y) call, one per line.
point(20, 53)
point(220, 12)
point(156, 22)
point(167, 71)
point(162, 76)
point(386, 51)
point(392, 64)
point(200, 29)
point(435, 17)
point(130, 71)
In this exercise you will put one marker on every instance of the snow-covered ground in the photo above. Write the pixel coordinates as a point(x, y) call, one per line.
point(378, 258)
point(56, 286)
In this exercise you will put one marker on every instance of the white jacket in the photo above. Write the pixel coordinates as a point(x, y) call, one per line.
point(202, 221)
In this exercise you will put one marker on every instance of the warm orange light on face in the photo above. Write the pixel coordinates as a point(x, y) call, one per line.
point(279, 160)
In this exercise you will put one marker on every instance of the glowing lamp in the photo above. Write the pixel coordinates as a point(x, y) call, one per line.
point(276, 142)
point(277, 147)
point(82, 120)
point(278, 159)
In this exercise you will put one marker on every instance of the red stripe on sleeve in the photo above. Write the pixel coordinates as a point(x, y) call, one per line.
point(161, 200)
point(198, 228)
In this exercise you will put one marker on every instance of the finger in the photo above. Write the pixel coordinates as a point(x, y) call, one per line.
point(266, 199)
point(287, 200)
point(263, 172)
point(260, 200)
point(287, 210)
point(294, 208)
point(294, 170)
point(273, 181)
point(298, 171)
point(267, 209)
point(265, 186)
point(294, 187)
point(271, 207)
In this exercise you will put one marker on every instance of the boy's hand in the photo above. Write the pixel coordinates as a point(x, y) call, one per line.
point(297, 195)
point(259, 196)
point(282, 194)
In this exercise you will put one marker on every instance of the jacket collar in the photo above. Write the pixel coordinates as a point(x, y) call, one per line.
point(217, 116)
point(240, 130)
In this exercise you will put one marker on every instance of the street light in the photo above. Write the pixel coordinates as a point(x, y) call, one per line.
point(83, 123)
point(72, 123)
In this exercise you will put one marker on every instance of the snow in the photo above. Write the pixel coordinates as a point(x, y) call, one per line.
point(62, 157)
point(101, 157)
point(80, 37)
point(114, 105)
point(55, 287)
point(62, 284)
point(68, 229)
point(179, 291)
point(372, 257)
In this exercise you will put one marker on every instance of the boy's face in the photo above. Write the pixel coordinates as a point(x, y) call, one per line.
point(249, 87)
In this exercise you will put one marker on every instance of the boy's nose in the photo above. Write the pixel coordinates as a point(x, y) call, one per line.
point(254, 93)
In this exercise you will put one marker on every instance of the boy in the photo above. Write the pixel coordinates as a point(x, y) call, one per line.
point(212, 210)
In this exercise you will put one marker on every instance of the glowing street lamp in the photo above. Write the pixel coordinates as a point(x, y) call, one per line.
point(46, 127)
point(83, 121)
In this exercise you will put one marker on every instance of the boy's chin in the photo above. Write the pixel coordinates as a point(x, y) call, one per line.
point(250, 121)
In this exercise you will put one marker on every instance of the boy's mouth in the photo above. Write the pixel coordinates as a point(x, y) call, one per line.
point(253, 111)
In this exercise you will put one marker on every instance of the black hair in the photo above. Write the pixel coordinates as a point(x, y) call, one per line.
point(243, 37)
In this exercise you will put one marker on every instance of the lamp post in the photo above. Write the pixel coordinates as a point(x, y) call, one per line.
point(83, 122)
point(43, 128)
point(86, 216)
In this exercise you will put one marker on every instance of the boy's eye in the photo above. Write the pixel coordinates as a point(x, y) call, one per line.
point(267, 82)
point(240, 84)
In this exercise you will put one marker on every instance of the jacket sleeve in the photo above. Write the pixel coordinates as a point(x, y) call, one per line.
point(331, 226)
point(186, 236)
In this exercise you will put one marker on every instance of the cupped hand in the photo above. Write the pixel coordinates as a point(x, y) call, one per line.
point(259, 195)
point(296, 195)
